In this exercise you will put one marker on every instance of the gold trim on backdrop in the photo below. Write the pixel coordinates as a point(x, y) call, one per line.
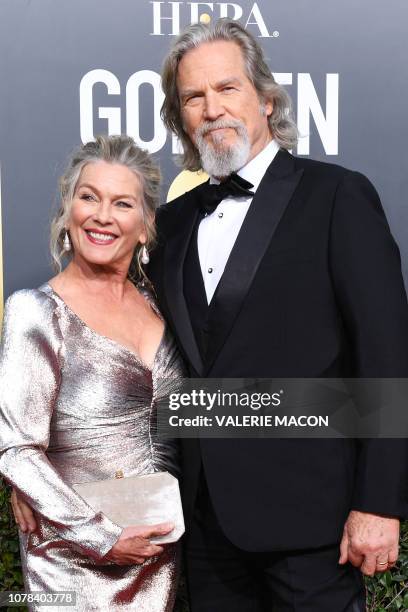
point(185, 181)
point(1, 262)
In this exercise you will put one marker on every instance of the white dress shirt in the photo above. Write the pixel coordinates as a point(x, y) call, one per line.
point(218, 231)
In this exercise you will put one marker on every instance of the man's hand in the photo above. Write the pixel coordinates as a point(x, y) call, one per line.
point(370, 542)
point(134, 546)
point(23, 513)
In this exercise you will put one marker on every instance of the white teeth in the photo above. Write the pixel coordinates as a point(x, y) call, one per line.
point(104, 237)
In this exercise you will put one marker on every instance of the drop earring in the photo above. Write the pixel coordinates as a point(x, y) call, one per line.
point(66, 243)
point(145, 256)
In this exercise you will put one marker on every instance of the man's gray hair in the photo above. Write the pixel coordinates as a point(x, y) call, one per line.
point(281, 123)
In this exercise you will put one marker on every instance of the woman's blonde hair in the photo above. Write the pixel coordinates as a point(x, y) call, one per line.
point(115, 150)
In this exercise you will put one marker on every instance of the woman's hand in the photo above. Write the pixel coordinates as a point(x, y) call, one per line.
point(23, 514)
point(134, 547)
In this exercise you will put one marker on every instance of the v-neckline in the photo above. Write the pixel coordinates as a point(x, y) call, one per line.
point(46, 287)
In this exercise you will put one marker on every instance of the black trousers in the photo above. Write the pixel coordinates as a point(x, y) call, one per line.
point(224, 578)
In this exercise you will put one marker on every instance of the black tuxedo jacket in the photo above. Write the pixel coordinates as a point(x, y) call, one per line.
point(312, 288)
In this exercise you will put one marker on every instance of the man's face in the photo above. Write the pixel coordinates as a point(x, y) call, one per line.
point(220, 108)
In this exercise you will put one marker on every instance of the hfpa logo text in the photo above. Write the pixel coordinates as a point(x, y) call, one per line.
point(169, 18)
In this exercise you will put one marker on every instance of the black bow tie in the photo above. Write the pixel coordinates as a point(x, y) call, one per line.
point(211, 195)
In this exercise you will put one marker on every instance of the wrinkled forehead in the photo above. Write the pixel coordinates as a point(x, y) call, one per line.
point(210, 62)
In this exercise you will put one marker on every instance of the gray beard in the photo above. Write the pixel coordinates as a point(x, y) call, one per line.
point(217, 159)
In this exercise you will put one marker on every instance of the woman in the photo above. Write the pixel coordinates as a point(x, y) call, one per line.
point(84, 359)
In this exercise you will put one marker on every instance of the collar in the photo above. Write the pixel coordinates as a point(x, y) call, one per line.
point(256, 168)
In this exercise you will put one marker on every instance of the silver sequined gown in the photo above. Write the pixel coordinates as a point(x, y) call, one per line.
point(75, 407)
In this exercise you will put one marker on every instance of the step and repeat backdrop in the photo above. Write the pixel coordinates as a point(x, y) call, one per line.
point(73, 69)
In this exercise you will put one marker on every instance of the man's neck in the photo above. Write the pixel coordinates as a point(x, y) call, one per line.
point(259, 147)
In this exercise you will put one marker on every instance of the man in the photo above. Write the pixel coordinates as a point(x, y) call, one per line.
point(293, 274)
point(301, 280)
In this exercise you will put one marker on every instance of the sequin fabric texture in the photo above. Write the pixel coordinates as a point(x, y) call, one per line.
point(75, 406)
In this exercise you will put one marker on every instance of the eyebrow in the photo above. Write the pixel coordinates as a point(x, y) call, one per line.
point(116, 197)
point(228, 81)
point(188, 92)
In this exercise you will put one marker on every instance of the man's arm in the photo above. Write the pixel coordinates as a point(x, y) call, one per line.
point(366, 272)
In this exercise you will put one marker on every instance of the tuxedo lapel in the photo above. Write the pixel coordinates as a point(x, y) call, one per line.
point(266, 210)
point(175, 253)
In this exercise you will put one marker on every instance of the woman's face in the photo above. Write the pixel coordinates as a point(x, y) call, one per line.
point(106, 221)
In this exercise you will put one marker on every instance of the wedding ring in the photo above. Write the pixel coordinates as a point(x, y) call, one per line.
point(382, 563)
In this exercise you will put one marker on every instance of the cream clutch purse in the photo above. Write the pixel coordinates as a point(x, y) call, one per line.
point(147, 499)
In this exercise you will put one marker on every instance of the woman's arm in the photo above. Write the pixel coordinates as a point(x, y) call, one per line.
point(31, 355)
point(133, 546)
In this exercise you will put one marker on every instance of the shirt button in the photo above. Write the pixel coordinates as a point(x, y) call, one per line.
point(220, 215)
point(209, 270)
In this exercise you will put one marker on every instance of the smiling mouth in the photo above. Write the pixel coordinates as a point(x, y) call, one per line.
point(100, 238)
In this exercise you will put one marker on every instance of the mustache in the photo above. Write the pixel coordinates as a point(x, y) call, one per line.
point(209, 126)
